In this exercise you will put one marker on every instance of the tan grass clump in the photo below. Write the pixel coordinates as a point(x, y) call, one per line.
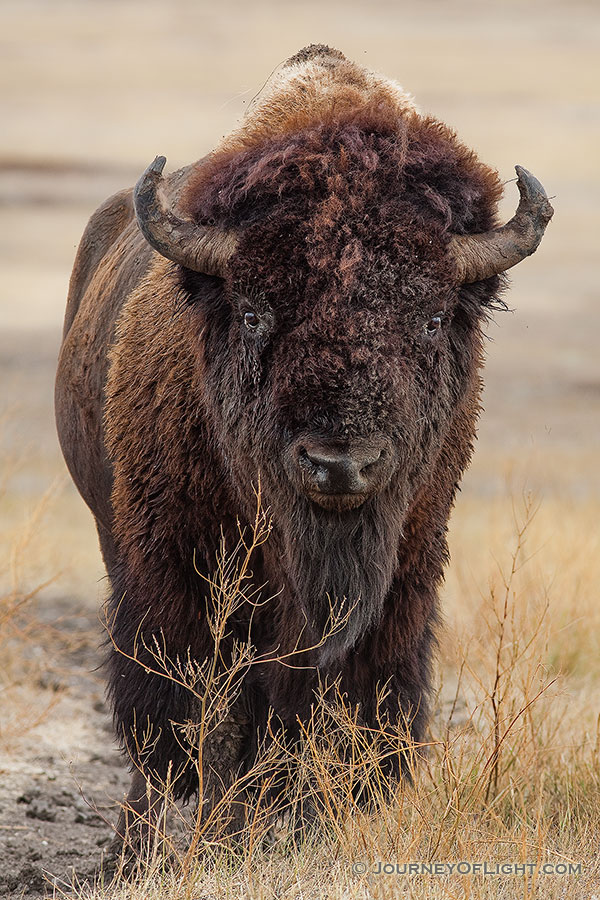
point(509, 777)
point(23, 661)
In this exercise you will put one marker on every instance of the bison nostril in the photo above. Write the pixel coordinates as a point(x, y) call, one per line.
point(304, 459)
point(369, 464)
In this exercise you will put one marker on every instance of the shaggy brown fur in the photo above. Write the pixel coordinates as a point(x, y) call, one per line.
point(344, 199)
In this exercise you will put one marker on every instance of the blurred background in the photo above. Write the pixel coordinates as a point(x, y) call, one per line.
point(92, 91)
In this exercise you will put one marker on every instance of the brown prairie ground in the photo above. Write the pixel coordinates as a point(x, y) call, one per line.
point(90, 93)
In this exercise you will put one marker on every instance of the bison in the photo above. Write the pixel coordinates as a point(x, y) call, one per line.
point(302, 308)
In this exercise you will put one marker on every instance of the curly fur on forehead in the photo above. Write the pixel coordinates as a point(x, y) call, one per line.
point(336, 194)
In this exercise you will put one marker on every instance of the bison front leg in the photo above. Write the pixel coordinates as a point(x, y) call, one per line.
point(177, 746)
point(388, 681)
point(223, 807)
point(136, 829)
point(162, 767)
point(150, 704)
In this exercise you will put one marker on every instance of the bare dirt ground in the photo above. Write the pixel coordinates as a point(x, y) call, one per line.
point(91, 92)
point(58, 792)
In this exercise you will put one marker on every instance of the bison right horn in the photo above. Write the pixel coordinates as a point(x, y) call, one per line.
point(478, 256)
point(198, 248)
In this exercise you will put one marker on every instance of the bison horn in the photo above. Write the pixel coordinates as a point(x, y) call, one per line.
point(479, 256)
point(205, 250)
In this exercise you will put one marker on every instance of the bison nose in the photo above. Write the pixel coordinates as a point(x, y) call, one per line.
point(332, 471)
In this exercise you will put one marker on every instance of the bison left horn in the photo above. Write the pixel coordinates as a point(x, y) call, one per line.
point(199, 248)
point(479, 256)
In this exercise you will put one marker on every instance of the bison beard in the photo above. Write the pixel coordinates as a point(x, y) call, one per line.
point(341, 567)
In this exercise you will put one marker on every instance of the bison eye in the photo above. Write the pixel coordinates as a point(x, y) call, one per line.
point(433, 325)
point(251, 320)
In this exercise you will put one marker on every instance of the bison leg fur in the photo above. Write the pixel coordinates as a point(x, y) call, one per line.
point(136, 829)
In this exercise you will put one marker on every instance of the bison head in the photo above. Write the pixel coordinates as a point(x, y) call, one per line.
point(339, 272)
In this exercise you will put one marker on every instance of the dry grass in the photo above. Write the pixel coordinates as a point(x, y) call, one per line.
point(23, 661)
point(510, 774)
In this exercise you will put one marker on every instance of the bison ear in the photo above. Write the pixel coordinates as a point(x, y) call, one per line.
point(201, 249)
point(479, 256)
